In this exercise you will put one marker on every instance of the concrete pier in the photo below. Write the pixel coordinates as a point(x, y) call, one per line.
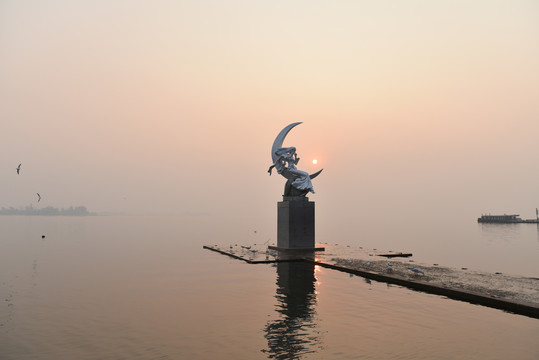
point(354, 260)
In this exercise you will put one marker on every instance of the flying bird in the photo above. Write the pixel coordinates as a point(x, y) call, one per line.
point(18, 169)
point(38, 197)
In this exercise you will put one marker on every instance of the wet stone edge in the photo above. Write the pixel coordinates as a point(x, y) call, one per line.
point(520, 308)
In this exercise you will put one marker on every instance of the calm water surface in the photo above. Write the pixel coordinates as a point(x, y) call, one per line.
point(143, 288)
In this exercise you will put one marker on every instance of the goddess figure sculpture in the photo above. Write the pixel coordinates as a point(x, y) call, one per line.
point(285, 160)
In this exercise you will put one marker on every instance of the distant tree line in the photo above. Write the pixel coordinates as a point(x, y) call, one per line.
point(47, 211)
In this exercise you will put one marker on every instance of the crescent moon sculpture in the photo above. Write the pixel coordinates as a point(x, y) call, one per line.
point(285, 160)
point(278, 143)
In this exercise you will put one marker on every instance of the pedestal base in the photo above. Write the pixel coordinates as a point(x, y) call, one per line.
point(298, 251)
point(295, 224)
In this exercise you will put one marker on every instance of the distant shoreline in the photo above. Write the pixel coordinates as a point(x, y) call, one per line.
point(47, 211)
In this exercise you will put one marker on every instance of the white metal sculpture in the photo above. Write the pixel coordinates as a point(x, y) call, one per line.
point(285, 160)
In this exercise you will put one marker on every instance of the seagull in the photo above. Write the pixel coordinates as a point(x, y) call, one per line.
point(351, 260)
point(389, 267)
point(417, 271)
point(367, 264)
point(38, 197)
point(18, 169)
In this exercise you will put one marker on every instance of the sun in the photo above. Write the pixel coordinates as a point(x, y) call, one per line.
point(315, 161)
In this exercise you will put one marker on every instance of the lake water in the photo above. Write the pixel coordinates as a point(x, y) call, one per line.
point(143, 288)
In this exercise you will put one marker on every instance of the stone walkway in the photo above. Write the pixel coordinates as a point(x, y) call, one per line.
point(510, 292)
point(515, 288)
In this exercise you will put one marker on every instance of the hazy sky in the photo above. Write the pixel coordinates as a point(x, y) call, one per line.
point(411, 107)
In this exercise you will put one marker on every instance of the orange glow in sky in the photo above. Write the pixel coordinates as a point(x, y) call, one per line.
point(138, 108)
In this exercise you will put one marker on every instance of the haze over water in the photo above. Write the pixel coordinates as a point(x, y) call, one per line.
point(413, 109)
point(422, 114)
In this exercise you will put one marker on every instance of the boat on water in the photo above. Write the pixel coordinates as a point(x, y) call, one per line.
point(502, 219)
point(505, 219)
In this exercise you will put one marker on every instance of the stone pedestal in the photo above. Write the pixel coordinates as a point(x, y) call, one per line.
point(295, 224)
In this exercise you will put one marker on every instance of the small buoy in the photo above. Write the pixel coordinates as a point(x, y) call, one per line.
point(43, 236)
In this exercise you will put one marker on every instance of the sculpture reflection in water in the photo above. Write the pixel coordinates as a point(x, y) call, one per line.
point(294, 333)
